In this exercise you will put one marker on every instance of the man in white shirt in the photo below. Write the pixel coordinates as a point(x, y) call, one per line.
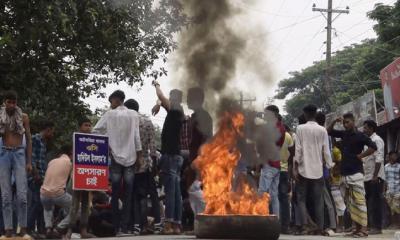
point(121, 125)
point(374, 176)
point(312, 151)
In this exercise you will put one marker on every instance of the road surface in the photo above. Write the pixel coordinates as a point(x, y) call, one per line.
point(388, 234)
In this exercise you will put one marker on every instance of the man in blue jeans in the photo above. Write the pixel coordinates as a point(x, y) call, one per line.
point(121, 125)
point(144, 177)
point(171, 161)
point(14, 158)
point(270, 172)
point(39, 166)
point(53, 190)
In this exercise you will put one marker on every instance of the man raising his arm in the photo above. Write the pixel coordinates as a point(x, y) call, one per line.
point(352, 169)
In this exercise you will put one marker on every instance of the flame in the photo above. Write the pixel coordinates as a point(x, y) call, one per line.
point(217, 162)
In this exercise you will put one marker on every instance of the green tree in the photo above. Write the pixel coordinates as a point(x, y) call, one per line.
point(349, 80)
point(158, 136)
point(56, 53)
point(388, 24)
point(355, 68)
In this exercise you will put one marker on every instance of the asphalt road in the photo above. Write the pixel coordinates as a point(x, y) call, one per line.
point(388, 234)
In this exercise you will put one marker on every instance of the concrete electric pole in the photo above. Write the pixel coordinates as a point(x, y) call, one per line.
point(328, 17)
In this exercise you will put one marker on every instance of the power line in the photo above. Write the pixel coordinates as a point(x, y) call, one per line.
point(373, 46)
point(383, 43)
point(294, 24)
point(246, 6)
point(369, 62)
point(296, 39)
point(352, 82)
point(265, 34)
point(365, 21)
point(363, 66)
point(364, 83)
point(329, 12)
point(291, 29)
point(366, 70)
point(279, 10)
point(357, 24)
point(373, 75)
point(345, 43)
point(307, 45)
point(366, 89)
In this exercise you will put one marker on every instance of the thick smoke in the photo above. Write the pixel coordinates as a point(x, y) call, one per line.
point(221, 52)
point(209, 49)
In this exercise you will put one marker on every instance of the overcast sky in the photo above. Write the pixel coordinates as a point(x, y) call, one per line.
point(294, 36)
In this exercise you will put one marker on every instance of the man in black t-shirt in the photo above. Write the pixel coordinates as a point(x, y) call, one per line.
point(201, 132)
point(201, 121)
point(201, 129)
point(171, 160)
point(353, 143)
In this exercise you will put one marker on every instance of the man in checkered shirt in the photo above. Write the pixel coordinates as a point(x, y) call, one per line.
point(392, 171)
point(39, 167)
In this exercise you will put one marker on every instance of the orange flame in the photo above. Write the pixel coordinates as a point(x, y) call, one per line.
point(217, 162)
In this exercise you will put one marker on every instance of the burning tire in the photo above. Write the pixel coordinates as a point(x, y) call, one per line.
point(236, 227)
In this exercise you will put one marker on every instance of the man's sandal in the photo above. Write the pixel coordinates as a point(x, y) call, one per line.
point(360, 234)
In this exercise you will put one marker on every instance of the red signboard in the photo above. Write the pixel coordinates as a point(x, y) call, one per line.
point(88, 177)
point(390, 77)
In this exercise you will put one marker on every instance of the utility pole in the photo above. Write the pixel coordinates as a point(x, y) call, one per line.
point(328, 17)
point(242, 100)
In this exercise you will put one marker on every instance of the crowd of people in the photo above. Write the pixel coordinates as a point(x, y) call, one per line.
point(341, 181)
point(323, 181)
point(146, 194)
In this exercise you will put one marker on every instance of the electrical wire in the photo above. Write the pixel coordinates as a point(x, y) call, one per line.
point(290, 29)
point(395, 38)
point(306, 46)
point(266, 34)
point(358, 35)
point(279, 10)
point(246, 6)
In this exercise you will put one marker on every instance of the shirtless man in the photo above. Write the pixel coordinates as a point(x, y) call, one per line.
point(14, 159)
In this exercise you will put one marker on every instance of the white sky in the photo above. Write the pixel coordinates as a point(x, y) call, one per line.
point(294, 36)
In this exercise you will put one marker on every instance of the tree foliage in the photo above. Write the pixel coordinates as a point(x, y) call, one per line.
point(55, 53)
point(355, 69)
